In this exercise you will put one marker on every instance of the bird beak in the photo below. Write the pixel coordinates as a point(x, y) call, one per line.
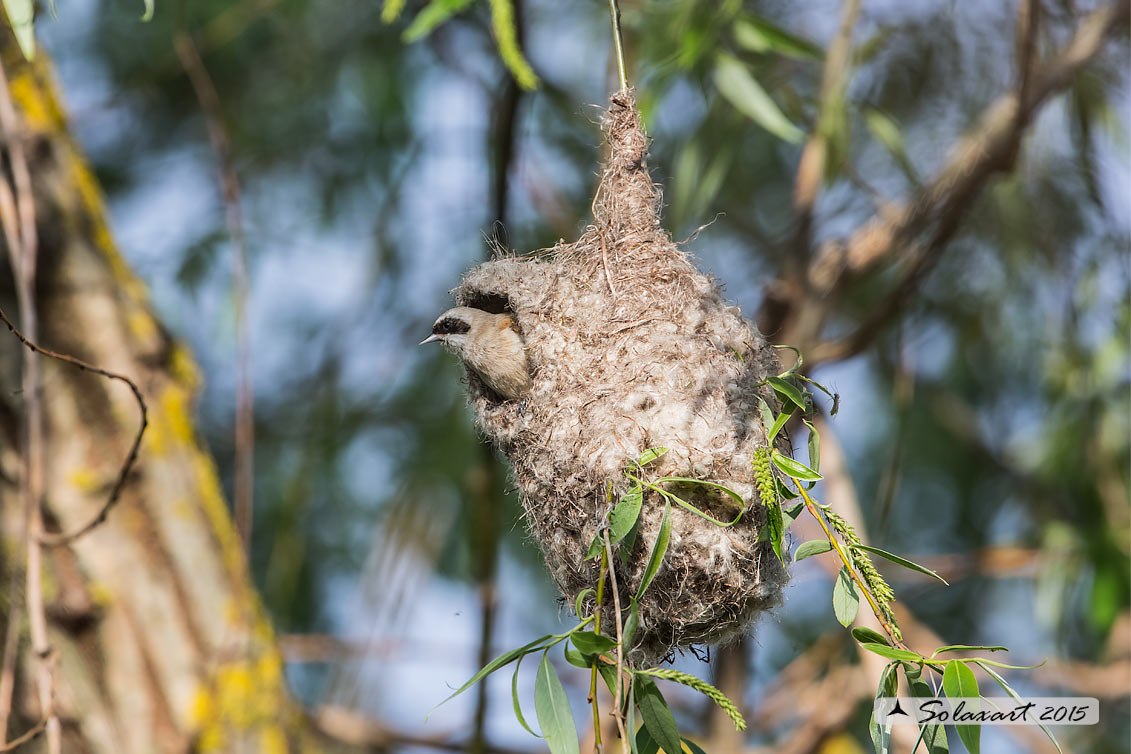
point(429, 339)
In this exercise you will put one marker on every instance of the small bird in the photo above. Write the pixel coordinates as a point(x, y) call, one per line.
point(489, 345)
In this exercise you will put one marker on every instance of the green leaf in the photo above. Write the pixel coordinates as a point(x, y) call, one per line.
point(959, 681)
point(608, 673)
point(624, 550)
point(624, 515)
point(657, 716)
point(814, 446)
point(1009, 690)
point(785, 493)
point(506, 39)
point(886, 131)
point(671, 497)
point(631, 624)
point(432, 15)
point(865, 635)
point(758, 35)
point(996, 664)
point(788, 391)
point(146, 15)
point(504, 659)
point(579, 602)
point(517, 704)
point(777, 529)
point(591, 643)
point(645, 744)
point(703, 483)
point(783, 417)
point(845, 600)
point(740, 88)
point(578, 659)
point(810, 548)
point(934, 736)
point(793, 468)
point(552, 707)
point(892, 653)
point(659, 549)
point(650, 455)
point(630, 719)
point(881, 736)
point(901, 561)
point(789, 515)
point(969, 648)
point(21, 17)
point(766, 415)
point(391, 10)
point(596, 547)
point(692, 747)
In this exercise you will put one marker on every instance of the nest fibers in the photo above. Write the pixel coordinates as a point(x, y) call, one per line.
point(631, 348)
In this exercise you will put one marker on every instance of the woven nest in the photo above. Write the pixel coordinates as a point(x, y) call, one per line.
point(632, 348)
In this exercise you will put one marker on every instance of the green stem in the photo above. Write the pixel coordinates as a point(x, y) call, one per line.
point(618, 45)
point(593, 672)
point(811, 506)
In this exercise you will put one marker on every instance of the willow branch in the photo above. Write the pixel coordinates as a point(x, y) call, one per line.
point(618, 690)
point(209, 100)
point(23, 259)
point(918, 232)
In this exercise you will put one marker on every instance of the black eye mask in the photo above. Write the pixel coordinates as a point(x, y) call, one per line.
point(450, 326)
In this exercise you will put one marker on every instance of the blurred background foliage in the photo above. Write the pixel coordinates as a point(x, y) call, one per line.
point(986, 429)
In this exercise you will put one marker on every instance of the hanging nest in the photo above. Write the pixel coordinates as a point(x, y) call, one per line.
point(632, 348)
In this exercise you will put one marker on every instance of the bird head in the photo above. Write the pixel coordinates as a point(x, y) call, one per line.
point(457, 328)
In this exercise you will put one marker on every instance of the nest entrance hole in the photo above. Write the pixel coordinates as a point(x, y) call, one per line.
point(488, 301)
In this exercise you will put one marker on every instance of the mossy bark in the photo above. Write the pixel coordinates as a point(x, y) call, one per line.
point(162, 643)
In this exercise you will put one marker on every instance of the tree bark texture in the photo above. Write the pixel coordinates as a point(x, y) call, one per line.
point(160, 643)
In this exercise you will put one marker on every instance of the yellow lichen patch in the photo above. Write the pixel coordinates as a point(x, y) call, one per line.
point(142, 325)
point(84, 479)
point(39, 108)
point(183, 368)
point(245, 699)
point(100, 593)
point(273, 740)
point(216, 509)
point(92, 204)
point(170, 425)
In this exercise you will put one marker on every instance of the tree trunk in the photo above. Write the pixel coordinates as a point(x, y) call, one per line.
point(160, 643)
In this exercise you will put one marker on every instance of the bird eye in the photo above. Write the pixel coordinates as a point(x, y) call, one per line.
point(450, 326)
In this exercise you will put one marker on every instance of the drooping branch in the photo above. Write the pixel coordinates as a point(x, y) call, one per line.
point(209, 100)
point(915, 235)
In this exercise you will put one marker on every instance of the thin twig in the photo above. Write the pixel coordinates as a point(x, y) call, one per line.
point(10, 220)
point(594, 672)
point(811, 169)
point(618, 44)
point(605, 262)
point(618, 691)
point(11, 649)
point(27, 735)
point(209, 100)
point(23, 260)
point(56, 540)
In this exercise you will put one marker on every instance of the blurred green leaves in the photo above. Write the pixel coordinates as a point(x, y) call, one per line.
point(742, 90)
point(503, 24)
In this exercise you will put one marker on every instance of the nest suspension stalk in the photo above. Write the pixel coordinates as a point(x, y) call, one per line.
point(618, 44)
